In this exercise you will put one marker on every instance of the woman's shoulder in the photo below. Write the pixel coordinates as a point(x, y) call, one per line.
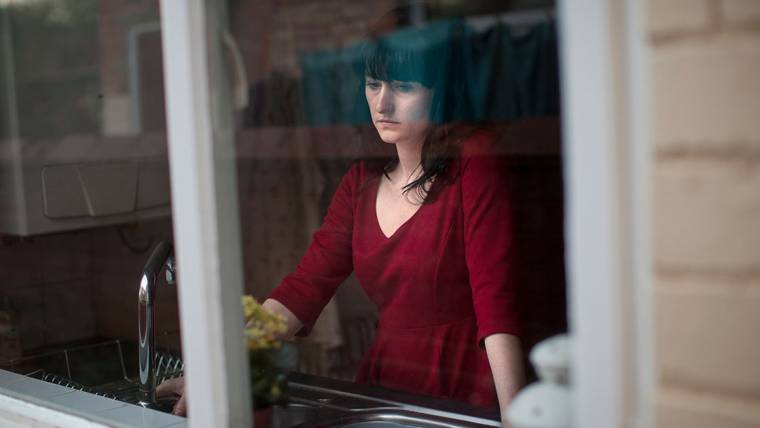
point(480, 151)
point(360, 169)
point(478, 142)
point(359, 173)
point(483, 162)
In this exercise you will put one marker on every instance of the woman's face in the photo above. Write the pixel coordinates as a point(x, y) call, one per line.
point(400, 110)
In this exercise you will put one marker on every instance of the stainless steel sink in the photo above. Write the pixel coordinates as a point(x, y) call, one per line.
point(109, 368)
point(326, 403)
point(297, 414)
point(388, 418)
point(303, 416)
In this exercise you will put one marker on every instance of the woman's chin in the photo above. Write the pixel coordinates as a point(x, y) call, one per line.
point(402, 135)
point(394, 137)
point(388, 137)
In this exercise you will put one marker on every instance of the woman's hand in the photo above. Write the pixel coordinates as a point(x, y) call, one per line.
point(174, 387)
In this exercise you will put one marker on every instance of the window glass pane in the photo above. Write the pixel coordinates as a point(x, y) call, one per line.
point(84, 199)
point(347, 104)
point(396, 287)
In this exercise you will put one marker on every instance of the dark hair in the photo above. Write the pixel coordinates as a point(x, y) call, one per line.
point(428, 55)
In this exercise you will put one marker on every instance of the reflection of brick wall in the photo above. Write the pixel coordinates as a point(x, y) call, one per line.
point(705, 59)
point(46, 280)
point(81, 285)
point(272, 34)
point(116, 19)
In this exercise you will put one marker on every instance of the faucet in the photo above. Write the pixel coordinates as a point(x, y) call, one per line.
point(162, 255)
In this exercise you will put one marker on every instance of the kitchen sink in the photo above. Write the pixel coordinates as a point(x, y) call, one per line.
point(304, 416)
point(326, 403)
point(387, 418)
point(109, 368)
point(297, 414)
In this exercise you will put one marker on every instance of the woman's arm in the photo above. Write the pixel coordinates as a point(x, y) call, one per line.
point(328, 261)
point(292, 323)
point(489, 253)
point(505, 357)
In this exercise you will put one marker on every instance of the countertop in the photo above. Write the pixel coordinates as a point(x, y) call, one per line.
point(333, 394)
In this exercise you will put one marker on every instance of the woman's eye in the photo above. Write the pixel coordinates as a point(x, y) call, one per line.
point(372, 84)
point(403, 87)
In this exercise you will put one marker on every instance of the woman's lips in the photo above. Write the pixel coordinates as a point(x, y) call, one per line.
point(387, 122)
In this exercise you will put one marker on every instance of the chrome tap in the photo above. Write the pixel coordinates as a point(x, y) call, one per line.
point(162, 255)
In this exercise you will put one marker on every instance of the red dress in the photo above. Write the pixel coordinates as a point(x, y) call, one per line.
point(441, 282)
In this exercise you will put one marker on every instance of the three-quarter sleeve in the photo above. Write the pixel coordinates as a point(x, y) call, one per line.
point(488, 239)
point(326, 263)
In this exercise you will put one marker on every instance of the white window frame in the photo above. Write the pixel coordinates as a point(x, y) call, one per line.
point(205, 212)
point(606, 161)
point(606, 157)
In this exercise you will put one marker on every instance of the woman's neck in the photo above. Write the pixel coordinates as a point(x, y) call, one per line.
point(409, 158)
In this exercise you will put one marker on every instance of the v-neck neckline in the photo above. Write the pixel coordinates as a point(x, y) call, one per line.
point(377, 218)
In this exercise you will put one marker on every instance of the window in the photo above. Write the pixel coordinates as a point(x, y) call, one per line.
point(305, 110)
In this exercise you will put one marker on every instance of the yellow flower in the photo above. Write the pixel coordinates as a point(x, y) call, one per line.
point(249, 305)
point(262, 327)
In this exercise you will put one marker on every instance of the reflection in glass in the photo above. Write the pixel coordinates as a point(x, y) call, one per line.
point(493, 77)
point(84, 192)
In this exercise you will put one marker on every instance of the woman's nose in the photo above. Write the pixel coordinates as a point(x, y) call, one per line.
point(384, 101)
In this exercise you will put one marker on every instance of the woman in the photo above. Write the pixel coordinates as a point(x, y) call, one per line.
point(428, 235)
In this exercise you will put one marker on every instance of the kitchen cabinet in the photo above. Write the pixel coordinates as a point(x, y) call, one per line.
point(73, 183)
point(69, 158)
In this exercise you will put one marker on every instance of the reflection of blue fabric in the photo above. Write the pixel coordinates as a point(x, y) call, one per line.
point(331, 85)
point(512, 73)
point(502, 73)
point(333, 80)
